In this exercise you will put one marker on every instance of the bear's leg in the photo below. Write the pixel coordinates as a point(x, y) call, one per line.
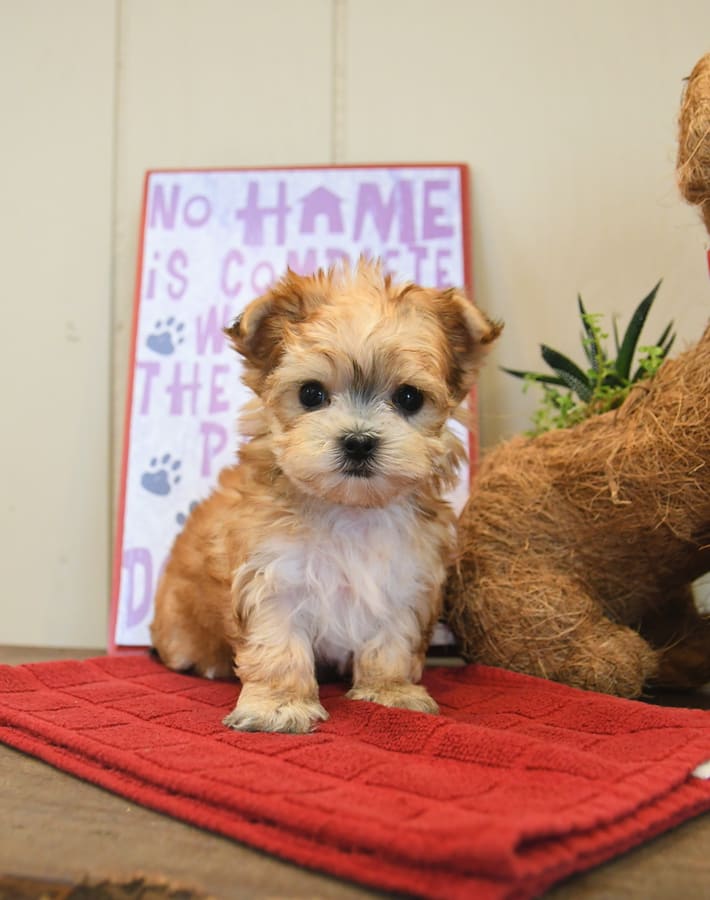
point(545, 624)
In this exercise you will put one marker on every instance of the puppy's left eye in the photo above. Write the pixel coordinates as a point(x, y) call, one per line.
point(312, 395)
point(408, 399)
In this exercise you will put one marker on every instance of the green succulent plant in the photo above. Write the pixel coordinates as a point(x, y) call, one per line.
point(574, 393)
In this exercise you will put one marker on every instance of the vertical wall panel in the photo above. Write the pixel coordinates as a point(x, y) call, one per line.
point(56, 95)
point(566, 113)
point(212, 83)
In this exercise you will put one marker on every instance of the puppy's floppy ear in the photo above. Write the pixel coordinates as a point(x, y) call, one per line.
point(258, 333)
point(469, 335)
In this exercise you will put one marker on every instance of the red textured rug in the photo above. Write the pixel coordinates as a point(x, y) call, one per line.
point(517, 784)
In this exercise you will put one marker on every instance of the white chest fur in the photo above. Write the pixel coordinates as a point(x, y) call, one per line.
point(343, 575)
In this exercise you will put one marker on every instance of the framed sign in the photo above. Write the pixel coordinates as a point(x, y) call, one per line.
point(211, 241)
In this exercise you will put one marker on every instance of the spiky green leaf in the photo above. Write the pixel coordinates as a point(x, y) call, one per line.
point(535, 376)
point(616, 335)
point(570, 373)
point(666, 332)
point(665, 344)
point(590, 339)
point(612, 380)
point(630, 340)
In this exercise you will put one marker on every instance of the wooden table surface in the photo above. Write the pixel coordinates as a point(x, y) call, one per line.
point(58, 828)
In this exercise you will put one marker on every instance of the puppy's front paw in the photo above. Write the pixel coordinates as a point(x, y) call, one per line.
point(274, 713)
point(404, 696)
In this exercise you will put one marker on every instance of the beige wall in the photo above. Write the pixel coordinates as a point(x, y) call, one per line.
point(565, 112)
point(57, 81)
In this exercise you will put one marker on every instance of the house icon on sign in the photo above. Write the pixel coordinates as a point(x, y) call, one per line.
point(321, 202)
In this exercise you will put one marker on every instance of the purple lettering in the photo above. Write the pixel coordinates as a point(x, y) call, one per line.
point(177, 261)
point(324, 204)
point(208, 330)
point(432, 226)
point(383, 213)
point(305, 266)
point(150, 370)
point(177, 281)
point(163, 213)
point(420, 254)
point(217, 401)
point(231, 288)
point(197, 211)
point(443, 275)
point(262, 277)
point(214, 440)
point(138, 567)
point(386, 256)
point(179, 388)
point(150, 289)
point(254, 215)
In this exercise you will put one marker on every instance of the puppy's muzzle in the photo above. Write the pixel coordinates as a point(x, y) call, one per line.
point(358, 451)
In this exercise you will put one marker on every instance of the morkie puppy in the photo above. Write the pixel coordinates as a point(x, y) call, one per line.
point(329, 540)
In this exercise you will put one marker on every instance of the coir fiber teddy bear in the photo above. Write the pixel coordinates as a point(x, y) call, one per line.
point(577, 547)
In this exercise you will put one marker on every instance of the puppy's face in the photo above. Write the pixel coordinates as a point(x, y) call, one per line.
point(358, 378)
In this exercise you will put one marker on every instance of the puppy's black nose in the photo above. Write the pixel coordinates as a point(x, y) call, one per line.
point(358, 447)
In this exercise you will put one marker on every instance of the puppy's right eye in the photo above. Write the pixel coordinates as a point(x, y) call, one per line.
point(312, 395)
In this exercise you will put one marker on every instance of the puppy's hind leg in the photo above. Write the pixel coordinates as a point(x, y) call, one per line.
point(185, 642)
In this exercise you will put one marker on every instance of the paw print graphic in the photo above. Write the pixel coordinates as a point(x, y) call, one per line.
point(162, 475)
point(167, 336)
point(181, 518)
